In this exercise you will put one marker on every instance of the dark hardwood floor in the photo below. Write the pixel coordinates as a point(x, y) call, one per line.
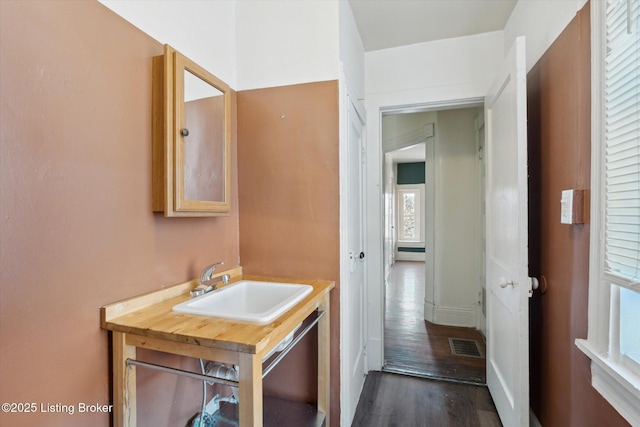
point(397, 400)
point(415, 346)
point(421, 349)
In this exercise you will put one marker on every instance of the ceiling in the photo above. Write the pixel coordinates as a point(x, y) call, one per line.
point(390, 23)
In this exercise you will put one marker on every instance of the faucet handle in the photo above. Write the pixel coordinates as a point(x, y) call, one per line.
point(208, 271)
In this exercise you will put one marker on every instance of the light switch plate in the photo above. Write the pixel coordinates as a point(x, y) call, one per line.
point(566, 207)
point(571, 207)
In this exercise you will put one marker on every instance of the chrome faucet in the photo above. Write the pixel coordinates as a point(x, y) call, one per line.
point(207, 284)
point(207, 272)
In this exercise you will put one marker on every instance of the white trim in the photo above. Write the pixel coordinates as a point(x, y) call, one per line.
point(429, 311)
point(599, 296)
point(479, 130)
point(410, 256)
point(419, 190)
point(375, 240)
point(376, 107)
point(455, 316)
point(430, 227)
point(612, 382)
point(608, 386)
point(344, 237)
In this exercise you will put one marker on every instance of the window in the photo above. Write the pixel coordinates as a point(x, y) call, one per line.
point(410, 213)
point(409, 226)
point(629, 322)
point(613, 341)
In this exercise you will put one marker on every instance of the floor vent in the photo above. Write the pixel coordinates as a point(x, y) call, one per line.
point(461, 347)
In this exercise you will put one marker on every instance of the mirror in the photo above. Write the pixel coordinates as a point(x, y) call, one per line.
point(204, 129)
point(192, 138)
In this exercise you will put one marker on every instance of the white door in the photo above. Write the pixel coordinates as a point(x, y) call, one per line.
point(354, 294)
point(508, 285)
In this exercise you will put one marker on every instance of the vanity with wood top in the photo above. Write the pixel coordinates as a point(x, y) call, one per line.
point(149, 322)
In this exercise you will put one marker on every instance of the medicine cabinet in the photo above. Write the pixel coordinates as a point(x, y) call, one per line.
point(191, 126)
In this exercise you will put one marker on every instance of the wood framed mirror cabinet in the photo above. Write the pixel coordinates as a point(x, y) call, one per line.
point(191, 132)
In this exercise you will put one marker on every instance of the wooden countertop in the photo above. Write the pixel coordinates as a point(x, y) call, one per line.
point(151, 316)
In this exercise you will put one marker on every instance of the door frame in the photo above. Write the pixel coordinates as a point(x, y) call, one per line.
point(374, 206)
point(479, 128)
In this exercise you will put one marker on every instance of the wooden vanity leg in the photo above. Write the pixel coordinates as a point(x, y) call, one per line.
point(250, 390)
point(124, 382)
point(324, 394)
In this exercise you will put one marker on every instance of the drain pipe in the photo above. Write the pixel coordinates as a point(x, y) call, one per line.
point(228, 373)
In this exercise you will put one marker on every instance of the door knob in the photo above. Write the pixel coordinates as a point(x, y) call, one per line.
point(538, 284)
point(534, 283)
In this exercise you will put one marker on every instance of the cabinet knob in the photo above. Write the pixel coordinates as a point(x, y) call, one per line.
point(184, 132)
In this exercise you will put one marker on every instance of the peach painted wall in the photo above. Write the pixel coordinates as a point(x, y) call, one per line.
point(204, 177)
point(76, 224)
point(289, 209)
point(559, 90)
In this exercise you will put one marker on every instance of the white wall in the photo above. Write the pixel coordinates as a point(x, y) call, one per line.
point(457, 261)
point(204, 31)
point(351, 50)
point(426, 73)
point(251, 44)
point(254, 44)
point(283, 42)
point(435, 71)
point(541, 22)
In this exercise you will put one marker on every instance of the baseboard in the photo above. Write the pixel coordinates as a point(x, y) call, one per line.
point(375, 361)
point(429, 311)
point(410, 256)
point(453, 316)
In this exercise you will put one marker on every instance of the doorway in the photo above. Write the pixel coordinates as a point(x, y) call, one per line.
point(433, 243)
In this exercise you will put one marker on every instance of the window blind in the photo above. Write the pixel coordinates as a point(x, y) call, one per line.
point(622, 147)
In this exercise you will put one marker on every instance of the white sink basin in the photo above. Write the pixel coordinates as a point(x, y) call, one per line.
point(248, 300)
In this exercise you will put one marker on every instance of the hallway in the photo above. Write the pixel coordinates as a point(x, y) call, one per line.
point(417, 347)
point(398, 400)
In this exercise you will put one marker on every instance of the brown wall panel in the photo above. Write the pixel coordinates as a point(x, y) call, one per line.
point(559, 156)
point(289, 208)
point(76, 224)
